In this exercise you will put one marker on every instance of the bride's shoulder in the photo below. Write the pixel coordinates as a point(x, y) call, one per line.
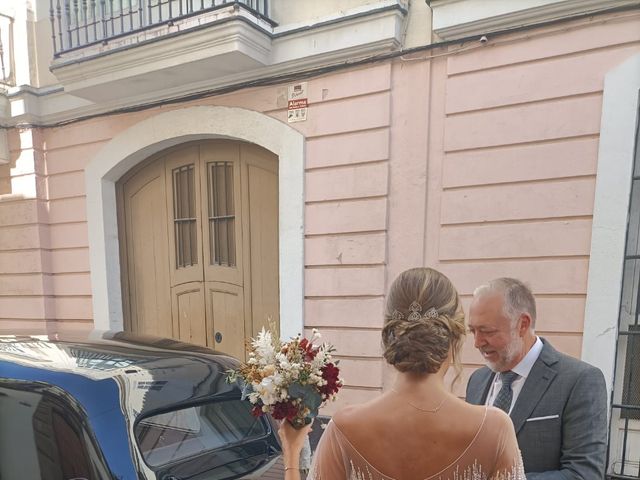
point(498, 419)
point(347, 415)
point(484, 415)
point(459, 406)
point(352, 417)
point(497, 415)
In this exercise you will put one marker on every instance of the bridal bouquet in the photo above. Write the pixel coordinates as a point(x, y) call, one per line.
point(288, 380)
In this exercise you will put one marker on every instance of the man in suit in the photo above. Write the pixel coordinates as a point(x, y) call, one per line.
point(557, 403)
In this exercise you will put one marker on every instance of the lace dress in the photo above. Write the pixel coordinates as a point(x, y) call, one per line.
point(493, 454)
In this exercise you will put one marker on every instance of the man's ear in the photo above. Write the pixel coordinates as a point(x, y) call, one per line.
point(525, 323)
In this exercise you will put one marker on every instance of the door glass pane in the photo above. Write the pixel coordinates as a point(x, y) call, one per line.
point(184, 213)
point(222, 242)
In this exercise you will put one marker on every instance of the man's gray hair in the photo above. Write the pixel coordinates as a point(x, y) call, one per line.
point(518, 298)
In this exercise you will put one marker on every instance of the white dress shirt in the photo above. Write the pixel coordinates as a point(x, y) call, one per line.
point(522, 369)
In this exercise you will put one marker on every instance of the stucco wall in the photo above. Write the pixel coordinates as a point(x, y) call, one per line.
point(519, 123)
point(480, 163)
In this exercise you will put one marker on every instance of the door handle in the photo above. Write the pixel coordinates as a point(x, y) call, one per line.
point(218, 337)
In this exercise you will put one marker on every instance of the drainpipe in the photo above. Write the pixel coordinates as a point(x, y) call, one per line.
point(5, 115)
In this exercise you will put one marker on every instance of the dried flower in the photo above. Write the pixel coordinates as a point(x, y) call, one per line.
point(291, 380)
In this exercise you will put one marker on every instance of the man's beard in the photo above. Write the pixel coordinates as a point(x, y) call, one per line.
point(510, 353)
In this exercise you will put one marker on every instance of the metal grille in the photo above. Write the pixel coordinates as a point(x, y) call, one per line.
point(6, 50)
point(624, 445)
point(184, 217)
point(79, 23)
point(222, 243)
point(631, 385)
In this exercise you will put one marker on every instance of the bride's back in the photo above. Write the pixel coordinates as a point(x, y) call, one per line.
point(390, 438)
point(417, 430)
point(401, 441)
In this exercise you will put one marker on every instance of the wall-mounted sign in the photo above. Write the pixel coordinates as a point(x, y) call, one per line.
point(298, 103)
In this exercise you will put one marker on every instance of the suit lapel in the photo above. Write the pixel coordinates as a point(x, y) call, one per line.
point(478, 396)
point(537, 383)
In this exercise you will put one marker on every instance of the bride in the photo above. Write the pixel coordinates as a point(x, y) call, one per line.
point(417, 429)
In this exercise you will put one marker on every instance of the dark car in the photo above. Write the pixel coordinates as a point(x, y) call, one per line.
point(117, 406)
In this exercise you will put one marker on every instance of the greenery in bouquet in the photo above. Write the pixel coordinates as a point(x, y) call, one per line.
point(288, 380)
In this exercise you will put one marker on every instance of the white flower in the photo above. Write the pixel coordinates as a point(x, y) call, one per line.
point(283, 362)
point(263, 347)
point(253, 397)
point(322, 357)
point(267, 390)
point(315, 335)
point(278, 379)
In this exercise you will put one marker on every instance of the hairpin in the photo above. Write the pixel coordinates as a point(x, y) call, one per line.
point(415, 313)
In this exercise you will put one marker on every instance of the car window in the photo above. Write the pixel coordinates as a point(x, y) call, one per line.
point(181, 433)
point(43, 436)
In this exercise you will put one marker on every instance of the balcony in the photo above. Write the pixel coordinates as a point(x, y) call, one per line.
point(80, 23)
point(105, 50)
point(109, 54)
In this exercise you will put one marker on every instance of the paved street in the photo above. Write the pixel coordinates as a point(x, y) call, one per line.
point(275, 473)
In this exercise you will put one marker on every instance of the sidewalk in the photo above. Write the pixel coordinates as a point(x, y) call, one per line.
point(274, 473)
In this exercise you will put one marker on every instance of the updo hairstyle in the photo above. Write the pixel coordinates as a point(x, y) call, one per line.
point(421, 345)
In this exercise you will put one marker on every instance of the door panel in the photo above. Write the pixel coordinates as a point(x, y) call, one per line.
point(199, 226)
point(222, 214)
point(147, 252)
point(189, 313)
point(182, 169)
point(225, 318)
point(262, 188)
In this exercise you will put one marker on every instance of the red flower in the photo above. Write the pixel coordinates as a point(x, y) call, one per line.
point(256, 411)
point(284, 410)
point(307, 348)
point(330, 373)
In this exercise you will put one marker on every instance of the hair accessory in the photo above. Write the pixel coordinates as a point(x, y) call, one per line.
point(415, 308)
point(431, 313)
point(415, 313)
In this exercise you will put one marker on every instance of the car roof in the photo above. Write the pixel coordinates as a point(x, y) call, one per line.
point(151, 373)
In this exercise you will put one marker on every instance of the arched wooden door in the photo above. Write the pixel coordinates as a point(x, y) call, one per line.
point(199, 244)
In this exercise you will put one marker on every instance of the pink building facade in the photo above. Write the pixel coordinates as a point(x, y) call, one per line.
point(510, 157)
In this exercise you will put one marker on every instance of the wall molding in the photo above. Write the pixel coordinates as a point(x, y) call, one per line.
point(454, 19)
point(376, 29)
point(613, 188)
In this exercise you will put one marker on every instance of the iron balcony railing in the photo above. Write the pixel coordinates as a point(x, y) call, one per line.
point(80, 23)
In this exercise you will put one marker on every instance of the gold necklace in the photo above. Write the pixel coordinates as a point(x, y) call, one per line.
point(427, 410)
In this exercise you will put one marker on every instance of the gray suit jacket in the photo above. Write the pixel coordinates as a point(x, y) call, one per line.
point(560, 417)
